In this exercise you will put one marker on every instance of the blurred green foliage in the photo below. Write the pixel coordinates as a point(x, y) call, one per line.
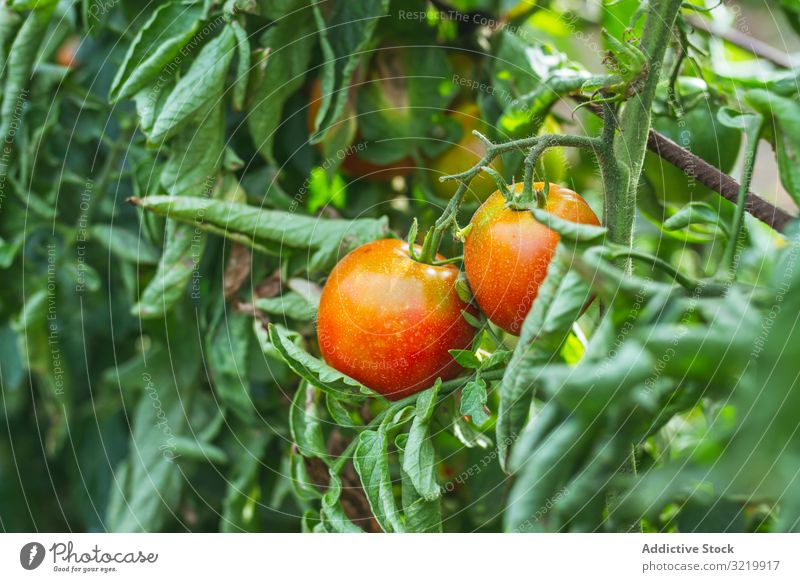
point(157, 358)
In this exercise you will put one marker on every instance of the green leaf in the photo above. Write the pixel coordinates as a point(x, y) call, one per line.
point(543, 420)
point(303, 486)
point(9, 250)
point(280, 72)
point(419, 460)
point(715, 354)
point(38, 324)
point(473, 401)
point(559, 303)
point(785, 114)
point(730, 117)
point(227, 346)
point(571, 231)
point(497, 359)
point(339, 413)
point(156, 44)
point(149, 103)
point(325, 190)
point(285, 231)
point(791, 9)
point(465, 294)
point(242, 66)
point(193, 448)
point(542, 476)
point(589, 388)
point(466, 358)
point(196, 154)
point(239, 507)
point(125, 244)
point(312, 369)
point(468, 317)
point(518, 67)
point(764, 436)
point(420, 515)
point(371, 461)
point(695, 213)
point(203, 83)
point(291, 305)
point(181, 257)
point(468, 435)
point(9, 23)
point(305, 425)
point(149, 482)
point(332, 513)
point(12, 372)
point(19, 67)
point(343, 37)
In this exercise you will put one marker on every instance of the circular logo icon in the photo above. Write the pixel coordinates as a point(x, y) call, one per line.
point(31, 555)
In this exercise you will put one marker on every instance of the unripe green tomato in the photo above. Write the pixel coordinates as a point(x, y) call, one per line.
point(699, 131)
point(462, 155)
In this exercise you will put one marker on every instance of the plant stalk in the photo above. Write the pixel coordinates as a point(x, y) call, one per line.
point(630, 144)
point(753, 137)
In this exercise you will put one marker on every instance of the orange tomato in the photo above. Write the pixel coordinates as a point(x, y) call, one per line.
point(507, 253)
point(388, 321)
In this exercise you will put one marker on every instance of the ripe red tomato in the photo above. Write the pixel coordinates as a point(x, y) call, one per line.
point(507, 252)
point(388, 321)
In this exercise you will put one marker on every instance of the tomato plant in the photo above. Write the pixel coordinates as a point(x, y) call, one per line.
point(248, 283)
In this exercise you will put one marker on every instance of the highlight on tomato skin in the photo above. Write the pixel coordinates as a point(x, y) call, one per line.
point(389, 321)
point(507, 252)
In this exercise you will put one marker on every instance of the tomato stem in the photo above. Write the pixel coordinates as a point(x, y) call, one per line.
point(450, 261)
point(683, 280)
point(538, 144)
point(753, 136)
point(621, 182)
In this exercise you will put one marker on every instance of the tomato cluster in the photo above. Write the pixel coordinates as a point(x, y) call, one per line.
point(389, 320)
point(387, 317)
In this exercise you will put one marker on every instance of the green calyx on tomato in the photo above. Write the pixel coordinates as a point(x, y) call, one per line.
point(389, 321)
point(507, 252)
